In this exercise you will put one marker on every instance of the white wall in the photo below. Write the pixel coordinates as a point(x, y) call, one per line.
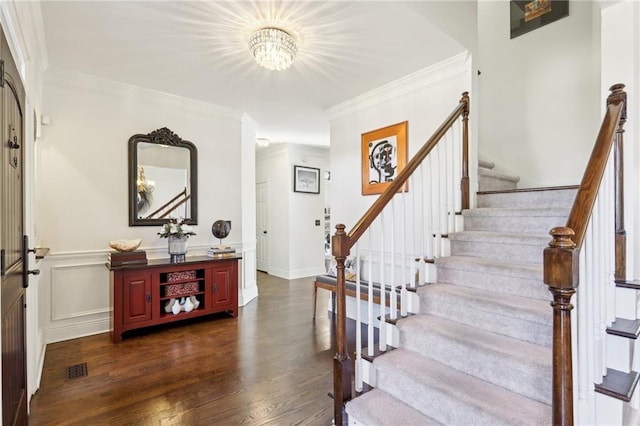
point(424, 99)
point(296, 244)
point(249, 281)
point(83, 187)
point(306, 249)
point(539, 94)
point(621, 40)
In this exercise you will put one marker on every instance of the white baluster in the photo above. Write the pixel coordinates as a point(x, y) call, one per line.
point(405, 267)
point(393, 283)
point(371, 319)
point(358, 362)
point(383, 329)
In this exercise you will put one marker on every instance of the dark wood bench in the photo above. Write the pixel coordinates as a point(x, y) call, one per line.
point(328, 282)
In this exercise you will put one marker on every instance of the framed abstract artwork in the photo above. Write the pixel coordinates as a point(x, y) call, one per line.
point(384, 155)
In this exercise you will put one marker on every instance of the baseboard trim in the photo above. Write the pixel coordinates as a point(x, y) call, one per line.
point(76, 330)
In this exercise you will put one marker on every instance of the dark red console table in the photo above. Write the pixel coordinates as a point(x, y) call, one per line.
point(140, 293)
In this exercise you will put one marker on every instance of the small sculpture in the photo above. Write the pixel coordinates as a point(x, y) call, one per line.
point(176, 307)
point(188, 305)
point(220, 229)
point(125, 245)
point(195, 301)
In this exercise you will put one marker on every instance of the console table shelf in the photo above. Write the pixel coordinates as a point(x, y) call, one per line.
point(139, 293)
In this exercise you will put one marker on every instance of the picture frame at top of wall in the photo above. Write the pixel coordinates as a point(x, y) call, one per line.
point(528, 15)
point(306, 179)
point(384, 155)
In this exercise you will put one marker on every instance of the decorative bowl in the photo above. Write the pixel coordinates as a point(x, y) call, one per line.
point(125, 245)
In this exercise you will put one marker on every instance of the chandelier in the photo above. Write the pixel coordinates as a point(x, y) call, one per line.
point(273, 48)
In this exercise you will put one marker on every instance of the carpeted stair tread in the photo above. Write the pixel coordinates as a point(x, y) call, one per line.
point(520, 220)
point(379, 408)
point(518, 279)
point(500, 237)
point(501, 246)
point(497, 175)
point(452, 397)
point(523, 318)
point(486, 164)
point(551, 197)
point(517, 212)
point(514, 364)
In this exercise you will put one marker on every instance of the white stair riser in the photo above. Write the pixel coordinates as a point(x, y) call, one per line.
point(627, 303)
point(367, 372)
point(620, 352)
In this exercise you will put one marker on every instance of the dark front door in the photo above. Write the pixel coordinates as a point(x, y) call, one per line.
point(12, 294)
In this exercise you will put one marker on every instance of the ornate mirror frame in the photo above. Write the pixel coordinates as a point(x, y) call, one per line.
point(166, 137)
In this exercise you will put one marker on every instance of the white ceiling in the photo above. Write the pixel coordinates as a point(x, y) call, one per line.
point(198, 50)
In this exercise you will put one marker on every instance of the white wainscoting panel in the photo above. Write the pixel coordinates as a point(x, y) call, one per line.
point(79, 290)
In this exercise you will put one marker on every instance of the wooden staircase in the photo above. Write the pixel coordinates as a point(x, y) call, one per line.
point(492, 341)
point(484, 328)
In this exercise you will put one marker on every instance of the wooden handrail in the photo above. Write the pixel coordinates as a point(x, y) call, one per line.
point(586, 196)
point(181, 202)
point(561, 258)
point(376, 208)
point(343, 242)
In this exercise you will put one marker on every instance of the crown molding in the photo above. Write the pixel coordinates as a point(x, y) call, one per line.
point(64, 78)
point(456, 65)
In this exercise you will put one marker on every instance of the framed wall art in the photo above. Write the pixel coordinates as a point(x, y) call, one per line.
point(384, 155)
point(306, 179)
point(527, 15)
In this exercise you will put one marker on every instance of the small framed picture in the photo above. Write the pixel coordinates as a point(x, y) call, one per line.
point(306, 179)
point(528, 15)
point(384, 155)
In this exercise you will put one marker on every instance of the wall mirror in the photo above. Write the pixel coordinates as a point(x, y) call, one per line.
point(163, 179)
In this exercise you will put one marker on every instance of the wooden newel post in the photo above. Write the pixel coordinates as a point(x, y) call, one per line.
point(561, 275)
point(342, 364)
point(464, 181)
point(618, 95)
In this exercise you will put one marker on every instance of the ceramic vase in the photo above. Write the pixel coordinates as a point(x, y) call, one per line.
point(177, 247)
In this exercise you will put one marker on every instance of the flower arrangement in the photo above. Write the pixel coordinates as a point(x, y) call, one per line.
point(176, 228)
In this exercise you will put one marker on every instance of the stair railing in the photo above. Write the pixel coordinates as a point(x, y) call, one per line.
point(582, 252)
point(170, 206)
point(401, 233)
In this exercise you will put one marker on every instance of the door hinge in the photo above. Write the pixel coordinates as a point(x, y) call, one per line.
point(2, 265)
point(1, 72)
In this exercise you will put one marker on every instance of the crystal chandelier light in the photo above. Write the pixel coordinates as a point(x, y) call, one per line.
point(273, 48)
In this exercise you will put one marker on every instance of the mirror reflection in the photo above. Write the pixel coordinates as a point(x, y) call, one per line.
point(162, 178)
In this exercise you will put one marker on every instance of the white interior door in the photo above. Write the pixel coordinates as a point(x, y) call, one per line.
point(262, 226)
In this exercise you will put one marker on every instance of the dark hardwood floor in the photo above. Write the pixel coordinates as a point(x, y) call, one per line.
point(270, 366)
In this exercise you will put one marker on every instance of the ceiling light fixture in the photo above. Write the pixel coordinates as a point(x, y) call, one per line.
point(262, 142)
point(273, 48)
